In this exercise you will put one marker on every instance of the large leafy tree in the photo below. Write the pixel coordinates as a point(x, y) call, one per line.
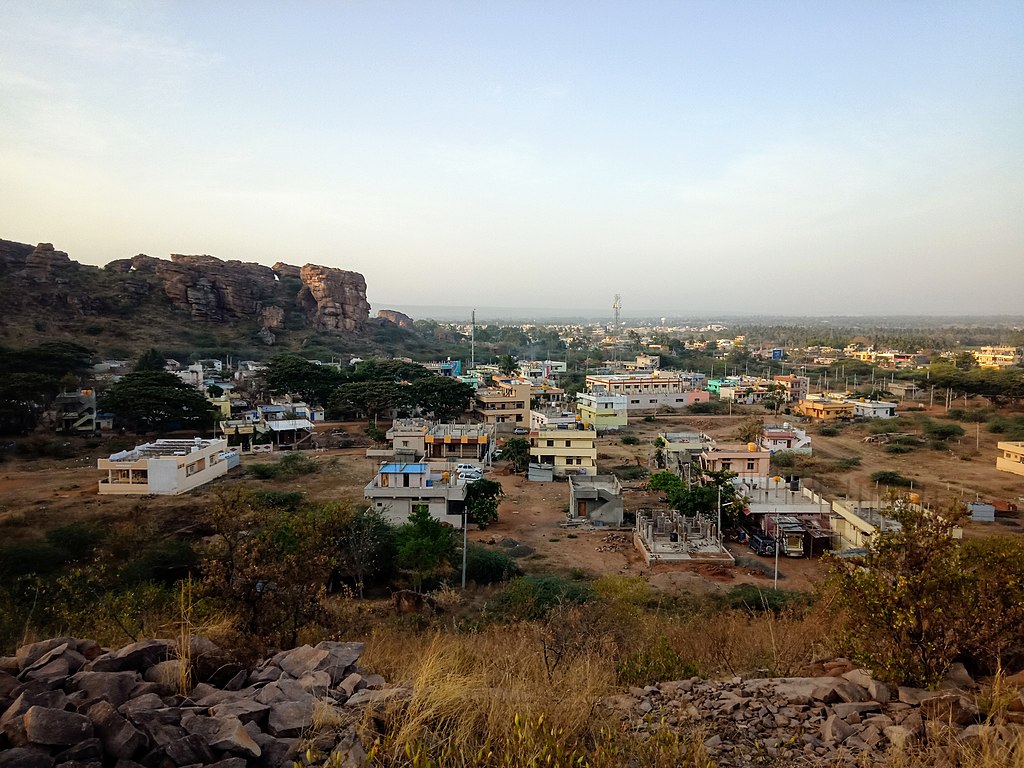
point(444, 398)
point(291, 374)
point(369, 398)
point(150, 360)
point(396, 371)
point(30, 378)
point(482, 498)
point(157, 401)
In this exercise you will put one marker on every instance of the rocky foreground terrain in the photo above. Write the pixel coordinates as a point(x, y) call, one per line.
point(68, 702)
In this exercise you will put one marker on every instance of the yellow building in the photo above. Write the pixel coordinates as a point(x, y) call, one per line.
point(1012, 458)
point(602, 411)
point(818, 409)
point(507, 402)
point(569, 451)
point(997, 357)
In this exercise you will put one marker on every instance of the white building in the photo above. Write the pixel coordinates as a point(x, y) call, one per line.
point(164, 467)
point(873, 409)
point(785, 437)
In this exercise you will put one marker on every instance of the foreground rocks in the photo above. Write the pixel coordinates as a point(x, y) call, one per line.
point(843, 715)
point(68, 702)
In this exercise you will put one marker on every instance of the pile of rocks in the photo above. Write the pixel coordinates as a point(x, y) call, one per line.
point(842, 714)
point(68, 702)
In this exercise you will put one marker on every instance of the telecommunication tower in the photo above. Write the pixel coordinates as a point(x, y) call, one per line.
point(616, 306)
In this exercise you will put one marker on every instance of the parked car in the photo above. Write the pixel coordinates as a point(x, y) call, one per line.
point(496, 454)
point(471, 477)
point(467, 468)
point(520, 431)
point(762, 544)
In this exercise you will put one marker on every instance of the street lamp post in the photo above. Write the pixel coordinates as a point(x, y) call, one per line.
point(465, 541)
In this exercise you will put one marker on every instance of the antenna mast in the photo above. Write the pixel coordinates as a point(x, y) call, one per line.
point(472, 343)
point(616, 306)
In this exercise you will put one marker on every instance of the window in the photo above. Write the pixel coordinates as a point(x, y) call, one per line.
point(568, 443)
point(551, 443)
point(750, 465)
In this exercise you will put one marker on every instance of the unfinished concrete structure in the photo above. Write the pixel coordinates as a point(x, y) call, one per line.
point(596, 500)
point(75, 412)
point(667, 536)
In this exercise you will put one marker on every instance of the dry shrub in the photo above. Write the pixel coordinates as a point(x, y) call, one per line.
point(737, 642)
point(471, 691)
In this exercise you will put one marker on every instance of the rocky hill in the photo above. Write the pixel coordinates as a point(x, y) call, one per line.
point(47, 295)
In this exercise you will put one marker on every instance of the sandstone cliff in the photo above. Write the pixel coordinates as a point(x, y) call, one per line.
point(400, 319)
point(42, 286)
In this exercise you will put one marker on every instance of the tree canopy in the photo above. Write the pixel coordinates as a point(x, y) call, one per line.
point(291, 374)
point(157, 401)
point(482, 498)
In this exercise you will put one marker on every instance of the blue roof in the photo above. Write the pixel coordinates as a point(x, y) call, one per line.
point(394, 468)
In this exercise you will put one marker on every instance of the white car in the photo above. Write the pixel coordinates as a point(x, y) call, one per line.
point(470, 477)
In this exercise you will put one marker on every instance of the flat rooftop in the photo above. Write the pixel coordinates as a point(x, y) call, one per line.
point(159, 448)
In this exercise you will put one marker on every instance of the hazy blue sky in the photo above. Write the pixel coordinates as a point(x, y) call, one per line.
point(836, 157)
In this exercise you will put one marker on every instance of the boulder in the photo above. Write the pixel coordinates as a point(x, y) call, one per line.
point(245, 710)
point(950, 708)
point(121, 739)
point(136, 657)
point(27, 655)
point(25, 757)
point(232, 737)
point(300, 661)
point(56, 727)
point(835, 730)
point(289, 718)
point(115, 687)
point(189, 750)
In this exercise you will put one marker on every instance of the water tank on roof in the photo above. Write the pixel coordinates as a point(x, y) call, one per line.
point(752, 447)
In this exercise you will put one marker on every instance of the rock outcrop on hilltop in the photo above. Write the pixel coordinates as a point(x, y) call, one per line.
point(205, 289)
point(400, 319)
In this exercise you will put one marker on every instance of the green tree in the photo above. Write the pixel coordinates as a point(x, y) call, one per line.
point(444, 398)
point(516, 451)
point(482, 499)
point(425, 548)
point(942, 431)
point(150, 360)
point(369, 398)
point(965, 361)
point(508, 364)
point(289, 374)
point(395, 371)
point(904, 603)
point(157, 401)
point(702, 495)
point(749, 430)
point(366, 547)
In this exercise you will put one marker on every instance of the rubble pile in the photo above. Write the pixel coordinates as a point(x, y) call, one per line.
point(614, 542)
point(843, 715)
point(68, 702)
